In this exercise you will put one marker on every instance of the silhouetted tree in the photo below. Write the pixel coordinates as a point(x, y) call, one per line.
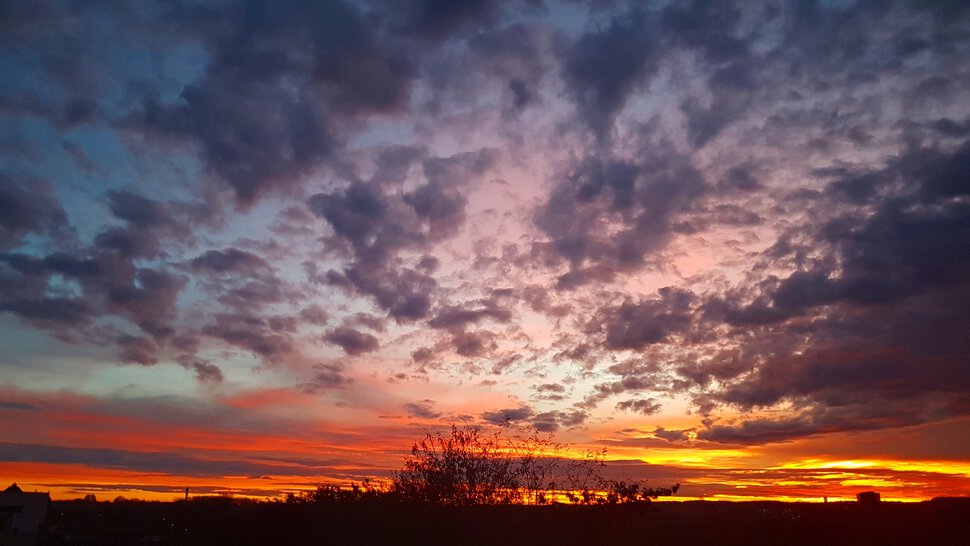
point(470, 466)
point(464, 468)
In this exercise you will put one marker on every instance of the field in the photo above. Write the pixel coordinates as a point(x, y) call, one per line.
point(227, 521)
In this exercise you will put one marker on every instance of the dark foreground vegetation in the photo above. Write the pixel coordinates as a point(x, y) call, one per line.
point(215, 520)
point(500, 488)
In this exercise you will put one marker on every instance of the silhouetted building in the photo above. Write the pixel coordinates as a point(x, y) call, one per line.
point(868, 498)
point(21, 515)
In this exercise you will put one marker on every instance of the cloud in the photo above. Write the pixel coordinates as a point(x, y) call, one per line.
point(18, 406)
point(423, 409)
point(643, 406)
point(138, 350)
point(610, 215)
point(604, 65)
point(520, 413)
point(706, 27)
point(263, 337)
point(379, 226)
point(453, 316)
point(229, 260)
point(109, 282)
point(755, 210)
point(205, 371)
point(315, 315)
point(436, 20)
point(551, 421)
point(472, 344)
point(422, 354)
point(154, 462)
point(672, 435)
point(261, 116)
point(551, 387)
point(326, 377)
point(635, 325)
point(878, 302)
point(28, 206)
point(352, 341)
point(733, 89)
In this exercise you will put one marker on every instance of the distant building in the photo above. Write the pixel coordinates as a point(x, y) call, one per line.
point(868, 498)
point(21, 515)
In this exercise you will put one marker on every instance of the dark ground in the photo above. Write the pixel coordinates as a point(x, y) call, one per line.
point(225, 521)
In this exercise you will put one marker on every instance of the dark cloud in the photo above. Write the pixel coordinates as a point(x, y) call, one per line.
point(138, 350)
point(423, 354)
point(520, 56)
point(423, 409)
point(910, 245)
point(708, 27)
point(761, 431)
point(608, 216)
point(109, 282)
point(881, 348)
point(228, 260)
point(740, 179)
point(732, 89)
point(472, 344)
point(104, 279)
point(262, 115)
point(271, 139)
point(550, 387)
point(541, 301)
point(205, 371)
point(250, 294)
point(353, 342)
point(672, 435)
point(153, 462)
point(52, 312)
point(253, 333)
point(18, 406)
point(951, 128)
point(148, 298)
point(371, 322)
point(327, 377)
point(635, 325)
point(440, 19)
point(551, 421)
point(634, 383)
point(355, 213)
point(502, 416)
point(379, 226)
point(643, 406)
point(444, 210)
point(604, 65)
point(315, 315)
point(138, 210)
point(404, 294)
point(454, 316)
point(28, 206)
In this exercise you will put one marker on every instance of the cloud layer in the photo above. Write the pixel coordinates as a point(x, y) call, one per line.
point(746, 224)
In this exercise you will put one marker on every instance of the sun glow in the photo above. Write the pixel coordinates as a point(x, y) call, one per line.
point(956, 468)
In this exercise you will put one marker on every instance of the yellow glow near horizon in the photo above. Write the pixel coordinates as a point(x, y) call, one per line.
point(956, 468)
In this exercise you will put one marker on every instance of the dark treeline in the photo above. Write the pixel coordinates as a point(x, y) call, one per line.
point(373, 520)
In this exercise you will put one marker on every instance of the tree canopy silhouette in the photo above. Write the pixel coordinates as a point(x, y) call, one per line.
point(510, 465)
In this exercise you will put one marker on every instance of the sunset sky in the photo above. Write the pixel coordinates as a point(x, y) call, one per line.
point(249, 247)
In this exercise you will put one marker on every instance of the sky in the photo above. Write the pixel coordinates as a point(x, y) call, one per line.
point(249, 247)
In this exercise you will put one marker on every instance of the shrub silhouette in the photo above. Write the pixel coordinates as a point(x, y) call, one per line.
point(465, 468)
point(511, 465)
